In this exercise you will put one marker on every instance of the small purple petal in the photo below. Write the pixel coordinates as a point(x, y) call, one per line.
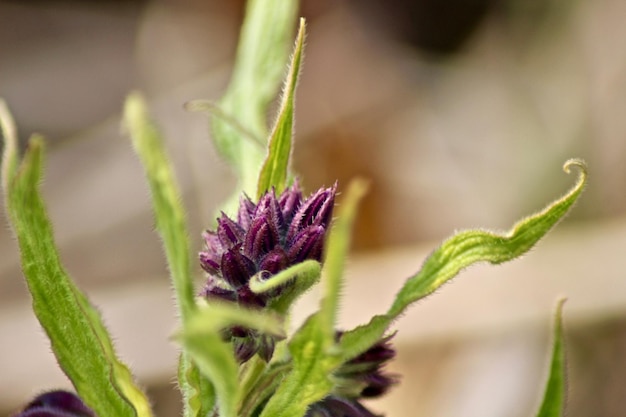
point(378, 384)
point(316, 210)
point(245, 348)
point(290, 201)
point(236, 268)
point(212, 243)
point(261, 238)
point(246, 211)
point(308, 244)
point(209, 262)
point(266, 347)
point(229, 232)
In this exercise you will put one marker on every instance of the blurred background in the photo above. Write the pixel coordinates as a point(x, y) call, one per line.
point(459, 112)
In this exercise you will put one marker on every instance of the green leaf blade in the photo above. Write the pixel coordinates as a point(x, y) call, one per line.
point(276, 167)
point(77, 334)
point(166, 200)
point(259, 66)
point(553, 403)
point(472, 246)
point(459, 252)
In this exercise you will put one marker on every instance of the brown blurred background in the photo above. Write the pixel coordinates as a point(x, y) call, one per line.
point(459, 112)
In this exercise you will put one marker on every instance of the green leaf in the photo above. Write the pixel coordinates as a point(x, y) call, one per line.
point(312, 347)
point(201, 339)
point(553, 404)
point(460, 251)
point(169, 213)
point(77, 334)
point(275, 169)
point(304, 275)
point(172, 227)
point(336, 253)
point(259, 66)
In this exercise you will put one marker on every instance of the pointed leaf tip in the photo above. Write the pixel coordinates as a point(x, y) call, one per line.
point(275, 170)
point(554, 397)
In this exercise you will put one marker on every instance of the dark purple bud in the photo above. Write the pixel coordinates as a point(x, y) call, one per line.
point(246, 211)
point(236, 268)
point(307, 244)
point(274, 261)
point(229, 232)
point(378, 384)
point(266, 347)
point(215, 292)
point(261, 238)
point(315, 210)
point(290, 201)
point(212, 243)
point(245, 348)
point(378, 354)
point(56, 404)
point(334, 406)
point(366, 370)
point(209, 262)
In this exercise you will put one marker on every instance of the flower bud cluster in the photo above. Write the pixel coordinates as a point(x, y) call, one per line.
point(266, 238)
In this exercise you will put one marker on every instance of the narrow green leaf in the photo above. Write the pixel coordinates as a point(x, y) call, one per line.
point(312, 347)
point(553, 404)
point(169, 213)
point(77, 334)
point(275, 169)
point(304, 275)
point(309, 381)
point(213, 317)
point(259, 66)
point(461, 251)
point(172, 227)
point(337, 249)
point(469, 247)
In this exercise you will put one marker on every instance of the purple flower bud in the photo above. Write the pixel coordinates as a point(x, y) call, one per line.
point(366, 370)
point(229, 232)
point(246, 210)
point(266, 347)
point(290, 201)
point(316, 210)
point(307, 244)
point(245, 348)
point(236, 267)
point(333, 406)
point(56, 404)
point(260, 238)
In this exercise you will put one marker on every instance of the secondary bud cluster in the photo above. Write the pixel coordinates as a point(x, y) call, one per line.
point(266, 238)
point(361, 377)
